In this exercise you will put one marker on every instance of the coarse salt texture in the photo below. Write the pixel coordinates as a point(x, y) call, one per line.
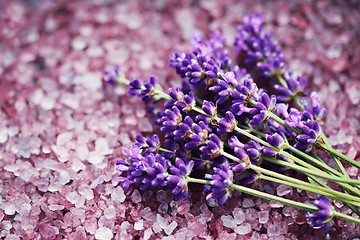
point(62, 129)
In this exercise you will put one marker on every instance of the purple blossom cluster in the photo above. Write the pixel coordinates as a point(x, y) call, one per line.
point(226, 97)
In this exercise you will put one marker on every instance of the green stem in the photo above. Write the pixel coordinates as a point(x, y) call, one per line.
point(277, 199)
point(290, 179)
point(310, 189)
point(340, 155)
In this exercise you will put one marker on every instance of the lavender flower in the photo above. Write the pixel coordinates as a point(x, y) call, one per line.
point(178, 181)
point(222, 178)
point(323, 216)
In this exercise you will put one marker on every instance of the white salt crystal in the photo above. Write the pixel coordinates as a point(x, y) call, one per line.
point(135, 196)
point(97, 181)
point(110, 212)
point(78, 43)
point(169, 229)
point(82, 151)
point(103, 233)
point(77, 165)
point(118, 194)
point(212, 202)
point(64, 177)
point(274, 204)
point(248, 203)
point(9, 208)
point(95, 157)
point(239, 215)
point(269, 189)
point(282, 190)
point(63, 138)
point(61, 153)
point(139, 225)
point(55, 207)
point(147, 234)
point(163, 208)
point(72, 197)
point(263, 216)
point(228, 221)
point(147, 214)
point(80, 202)
point(13, 130)
point(3, 134)
point(156, 227)
point(243, 229)
point(101, 146)
point(125, 225)
point(25, 209)
point(54, 187)
point(48, 103)
point(162, 221)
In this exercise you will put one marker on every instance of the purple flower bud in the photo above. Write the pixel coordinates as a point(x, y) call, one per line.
point(323, 216)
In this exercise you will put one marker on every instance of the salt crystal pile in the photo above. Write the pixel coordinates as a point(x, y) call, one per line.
point(62, 130)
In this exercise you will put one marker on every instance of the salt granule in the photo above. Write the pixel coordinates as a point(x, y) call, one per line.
point(110, 212)
point(263, 216)
point(282, 190)
point(139, 225)
point(243, 229)
point(163, 208)
point(248, 203)
point(135, 196)
point(170, 228)
point(228, 221)
point(64, 177)
point(63, 138)
point(103, 233)
point(9, 208)
point(72, 197)
point(147, 234)
point(125, 225)
point(162, 221)
point(239, 215)
point(148, 215)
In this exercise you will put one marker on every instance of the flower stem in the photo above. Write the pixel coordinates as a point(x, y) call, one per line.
point(310, 189)
point(285, 201)
point(290, 179)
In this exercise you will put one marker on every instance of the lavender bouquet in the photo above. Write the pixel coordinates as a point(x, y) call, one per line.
point(236, 122)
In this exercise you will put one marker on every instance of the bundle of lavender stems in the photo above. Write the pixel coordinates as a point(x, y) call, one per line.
point(235, 122)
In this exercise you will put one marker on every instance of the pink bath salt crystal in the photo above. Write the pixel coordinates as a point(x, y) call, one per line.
point(110, 212)
point(148, 215)
point(282, 190)
point(72, 197)
point(77, 165)
point(145, 125)
point(54, 187)
point(9, 208)
point(148, 233)
point(162, 221)
point(251, 215)
point(243, 229)
point(352, 89)
point(135, 196)
point(297, 216)
point(228, 221)
point(170, 228)
point(139, 225)
point(248, 203)
point(55, 207)
point(101, 146)
point(63, 138)
point(3, 134)
point(86, 191)
point(46, 231)
point(90, 225)
point(239, 215)
point(103, 233)
point(184, 208)
point(263, 216)
point(61, 153)
point(227, 236)
point(95, 157)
